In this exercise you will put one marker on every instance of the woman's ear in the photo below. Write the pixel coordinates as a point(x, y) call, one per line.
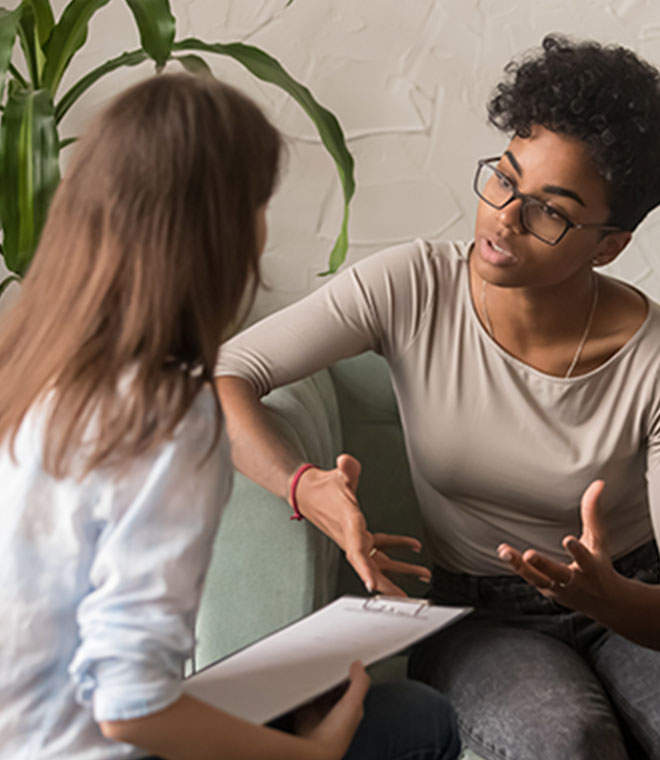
point(610, 247)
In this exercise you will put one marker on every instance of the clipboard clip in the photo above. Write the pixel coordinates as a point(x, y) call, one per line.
point(395, 605)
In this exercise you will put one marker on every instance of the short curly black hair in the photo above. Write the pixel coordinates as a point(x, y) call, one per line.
point(604, 95)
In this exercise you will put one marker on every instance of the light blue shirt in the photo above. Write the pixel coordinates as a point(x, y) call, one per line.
point(100, 581)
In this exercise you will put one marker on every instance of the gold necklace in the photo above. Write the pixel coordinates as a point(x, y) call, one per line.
point(585, 334)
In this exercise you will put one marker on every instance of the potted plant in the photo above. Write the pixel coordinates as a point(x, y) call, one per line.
point(33, 107)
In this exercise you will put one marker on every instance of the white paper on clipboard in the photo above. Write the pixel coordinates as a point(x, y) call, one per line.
point(312, 655)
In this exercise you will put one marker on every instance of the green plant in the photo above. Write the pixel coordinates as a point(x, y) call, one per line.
point(32, 107)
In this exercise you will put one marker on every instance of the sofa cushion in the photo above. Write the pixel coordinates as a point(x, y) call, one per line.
point(372, 432)
point(267, 570)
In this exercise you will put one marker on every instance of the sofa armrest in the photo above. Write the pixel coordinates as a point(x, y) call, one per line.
point(266, 570)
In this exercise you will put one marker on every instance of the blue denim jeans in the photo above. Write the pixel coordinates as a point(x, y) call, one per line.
point(404, 720)
point(532, 680)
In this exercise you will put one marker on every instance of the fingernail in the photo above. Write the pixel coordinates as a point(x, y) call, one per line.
point(424, 579)
point(505, 554)
point(369, 587)
point(572, 543)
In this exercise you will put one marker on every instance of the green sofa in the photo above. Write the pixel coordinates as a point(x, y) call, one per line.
point(267, 570)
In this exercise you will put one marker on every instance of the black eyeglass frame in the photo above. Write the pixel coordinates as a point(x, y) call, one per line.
point(526, 199)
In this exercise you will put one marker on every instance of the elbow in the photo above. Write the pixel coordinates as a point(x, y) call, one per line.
point(111, 729)
point(236, 393)
point(141, 732)
point(230, 384)
point(118, 731)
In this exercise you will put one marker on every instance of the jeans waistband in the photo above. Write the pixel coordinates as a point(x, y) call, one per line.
point(509, 592)
point(642, 558)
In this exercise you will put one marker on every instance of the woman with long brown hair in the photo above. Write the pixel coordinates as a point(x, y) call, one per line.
point(114, 458)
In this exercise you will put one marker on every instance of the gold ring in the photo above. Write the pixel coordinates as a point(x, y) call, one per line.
point(373, 552)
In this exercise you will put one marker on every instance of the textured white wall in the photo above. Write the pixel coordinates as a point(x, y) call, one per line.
point(408, 81)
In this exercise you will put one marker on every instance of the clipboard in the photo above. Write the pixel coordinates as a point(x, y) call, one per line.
point(311, 656)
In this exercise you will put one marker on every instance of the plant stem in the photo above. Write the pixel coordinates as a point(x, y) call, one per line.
point(18, 76)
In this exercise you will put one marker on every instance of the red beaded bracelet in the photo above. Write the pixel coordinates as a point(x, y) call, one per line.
point(292, 491)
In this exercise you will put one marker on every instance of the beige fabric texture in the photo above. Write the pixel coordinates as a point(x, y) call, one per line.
point(498, 450)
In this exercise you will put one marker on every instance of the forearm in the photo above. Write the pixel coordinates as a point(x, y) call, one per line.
point(192, 730)
point(257, 449)
point(326, 498)
point(633, 611)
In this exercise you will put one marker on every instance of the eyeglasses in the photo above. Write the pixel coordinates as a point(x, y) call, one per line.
point(536, 217)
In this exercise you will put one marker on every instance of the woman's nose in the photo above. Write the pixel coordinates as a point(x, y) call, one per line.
point(511, 216)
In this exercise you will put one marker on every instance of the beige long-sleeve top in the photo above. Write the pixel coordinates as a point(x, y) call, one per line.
point(498, 450)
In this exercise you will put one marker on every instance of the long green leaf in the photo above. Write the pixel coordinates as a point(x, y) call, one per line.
point(36, 25)
point(156, 25)
point(7, 282)
point(267, 68)
point(194, 64)
point(18, 76)
point(9, 21)
point(45, 21)
point(29, 166)
point(29, 37)
point(133, 58)
point(67, 36)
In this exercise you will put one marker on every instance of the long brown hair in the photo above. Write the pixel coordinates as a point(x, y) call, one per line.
point(148, 248)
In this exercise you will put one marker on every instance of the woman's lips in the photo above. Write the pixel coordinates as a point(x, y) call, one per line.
point(495, 254)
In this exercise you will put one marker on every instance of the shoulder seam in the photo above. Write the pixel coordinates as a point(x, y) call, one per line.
point(426, 252)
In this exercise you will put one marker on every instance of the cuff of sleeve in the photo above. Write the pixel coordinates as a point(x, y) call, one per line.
point(140, 700)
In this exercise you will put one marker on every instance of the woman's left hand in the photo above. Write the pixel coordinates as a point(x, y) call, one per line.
point(589, 582)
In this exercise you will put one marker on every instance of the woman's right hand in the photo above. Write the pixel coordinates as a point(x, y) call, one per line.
point(589, 583)
point(331, 729)
point(327, 498)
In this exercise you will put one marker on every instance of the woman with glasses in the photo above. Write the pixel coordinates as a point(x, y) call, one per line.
point(525, 379)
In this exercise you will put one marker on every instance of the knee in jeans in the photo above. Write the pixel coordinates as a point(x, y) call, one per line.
point(589, 738)
point(548, 736)
point(433, 716)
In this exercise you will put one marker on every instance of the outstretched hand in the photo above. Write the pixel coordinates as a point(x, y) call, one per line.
point(327, 498)
point(588, 582)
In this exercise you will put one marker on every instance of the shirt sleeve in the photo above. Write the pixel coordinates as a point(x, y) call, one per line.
point(156, 527)
point(377, 304)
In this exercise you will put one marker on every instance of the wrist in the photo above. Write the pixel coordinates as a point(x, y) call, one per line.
point(624, 595)
point(614, 602)
point(293, 489)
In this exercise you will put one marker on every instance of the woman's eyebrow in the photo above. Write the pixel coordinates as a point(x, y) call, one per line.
point(551, 189)
point(558, 190)
point(514, 162)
